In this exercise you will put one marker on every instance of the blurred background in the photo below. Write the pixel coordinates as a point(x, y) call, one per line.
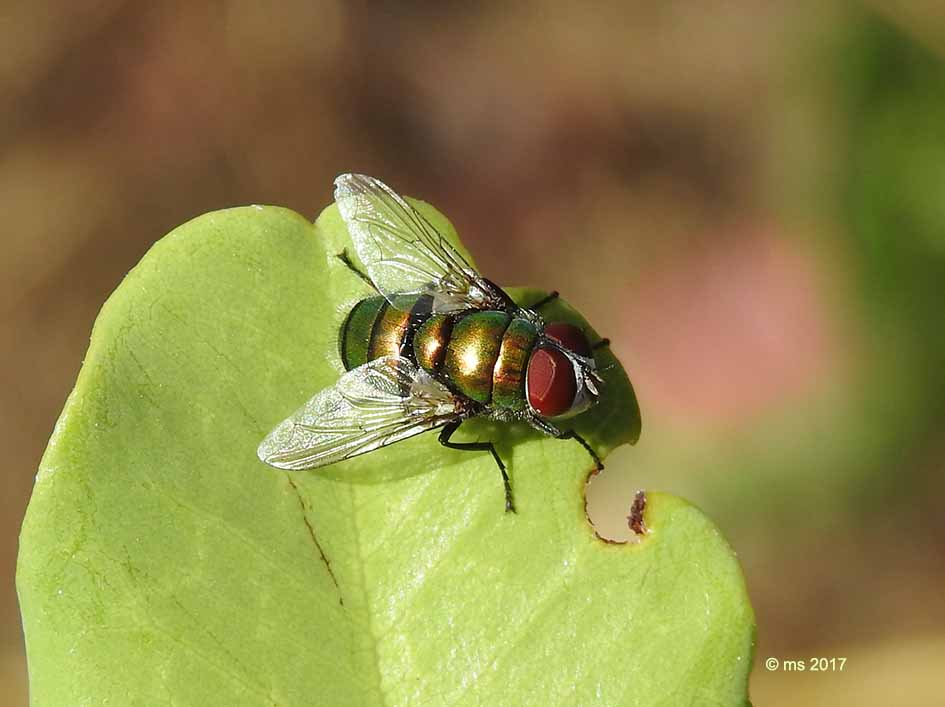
point(748, 198)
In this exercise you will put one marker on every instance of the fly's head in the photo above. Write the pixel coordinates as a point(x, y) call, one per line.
point(562, 380)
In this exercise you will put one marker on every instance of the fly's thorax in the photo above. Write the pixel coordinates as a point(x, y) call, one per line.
point(375, 328)
point(472, 352)
point(508, 391)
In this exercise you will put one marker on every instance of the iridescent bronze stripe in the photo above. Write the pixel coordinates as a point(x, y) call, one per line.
point(508, 377)
point(429, 343)
point(388, 333)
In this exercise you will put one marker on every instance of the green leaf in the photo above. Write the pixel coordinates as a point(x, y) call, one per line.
point(162, 563)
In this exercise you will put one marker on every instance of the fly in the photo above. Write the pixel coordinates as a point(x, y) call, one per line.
point(439, 344)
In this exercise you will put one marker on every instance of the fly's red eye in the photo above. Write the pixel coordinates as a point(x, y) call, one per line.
point(570, 337)
point(550, 382)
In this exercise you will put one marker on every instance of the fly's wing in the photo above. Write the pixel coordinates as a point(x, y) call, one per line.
point(404, 253)
point(382, 402)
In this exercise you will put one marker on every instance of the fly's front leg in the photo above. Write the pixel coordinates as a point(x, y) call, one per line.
point(571, 434)
point(551, 298)
point(543, 301)
point(444, 439)
point(552, 431)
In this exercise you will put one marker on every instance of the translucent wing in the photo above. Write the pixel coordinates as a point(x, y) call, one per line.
point(382, 402)
point(404, 253)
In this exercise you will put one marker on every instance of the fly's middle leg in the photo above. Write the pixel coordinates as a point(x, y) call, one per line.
point(444, 439)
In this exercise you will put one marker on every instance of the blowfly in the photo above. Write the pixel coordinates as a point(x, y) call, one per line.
point(437, 345)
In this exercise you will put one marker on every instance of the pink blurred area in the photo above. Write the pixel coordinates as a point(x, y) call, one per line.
point(723, 334)
point(666, 166)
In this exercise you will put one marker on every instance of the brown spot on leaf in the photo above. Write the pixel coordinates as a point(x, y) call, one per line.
point(635, 519)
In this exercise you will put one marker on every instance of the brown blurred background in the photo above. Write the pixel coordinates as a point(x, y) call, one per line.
point(747, 197)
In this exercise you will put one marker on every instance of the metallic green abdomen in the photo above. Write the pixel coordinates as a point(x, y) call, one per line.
point(481, 355)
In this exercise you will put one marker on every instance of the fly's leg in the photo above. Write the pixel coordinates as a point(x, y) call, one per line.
point(346, 259)
point(444, 439)
point(542, 425)
point(551, 298)
point(544, 300)
point(571, 434)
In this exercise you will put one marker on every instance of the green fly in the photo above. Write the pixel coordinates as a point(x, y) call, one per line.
point(439, 344)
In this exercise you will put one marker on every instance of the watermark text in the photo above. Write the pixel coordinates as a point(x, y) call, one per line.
point(816, 664)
